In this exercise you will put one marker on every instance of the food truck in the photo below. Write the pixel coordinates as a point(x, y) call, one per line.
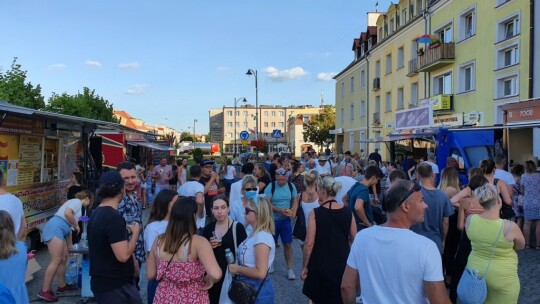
point(39, 151)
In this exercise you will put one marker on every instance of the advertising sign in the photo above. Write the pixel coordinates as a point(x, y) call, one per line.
point(420, 117)
point(22, 125)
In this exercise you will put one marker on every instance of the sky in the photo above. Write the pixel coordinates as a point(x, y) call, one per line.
point(169, 62)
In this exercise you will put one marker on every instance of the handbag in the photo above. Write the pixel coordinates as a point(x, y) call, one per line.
point(299, 230)
point(472, 287)
point(242, 292)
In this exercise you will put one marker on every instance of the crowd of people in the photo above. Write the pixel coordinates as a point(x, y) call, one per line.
point(371, 231)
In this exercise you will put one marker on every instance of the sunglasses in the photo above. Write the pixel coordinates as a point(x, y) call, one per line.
point(322, 161)
point(281, 173)
point(250, 210)
point(250, 189)
point(414, 189)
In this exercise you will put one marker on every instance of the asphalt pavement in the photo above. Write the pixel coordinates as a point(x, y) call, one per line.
point(290, 291)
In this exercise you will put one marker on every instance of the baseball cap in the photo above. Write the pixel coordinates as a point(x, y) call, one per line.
point(111, 178)
point(206, 162)
point(322, 157)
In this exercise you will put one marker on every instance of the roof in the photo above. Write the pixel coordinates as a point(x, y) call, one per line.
point(372, 30)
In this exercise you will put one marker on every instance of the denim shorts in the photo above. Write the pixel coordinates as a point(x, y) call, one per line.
point(283, 229)
point(266, 296)
point(56, 227)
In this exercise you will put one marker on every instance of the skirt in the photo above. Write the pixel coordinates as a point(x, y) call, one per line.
point(56, 227)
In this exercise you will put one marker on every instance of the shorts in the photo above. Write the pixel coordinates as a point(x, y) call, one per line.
point(283, 229)
point(56, 227)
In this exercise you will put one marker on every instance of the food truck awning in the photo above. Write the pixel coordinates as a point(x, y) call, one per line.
point(150, 145)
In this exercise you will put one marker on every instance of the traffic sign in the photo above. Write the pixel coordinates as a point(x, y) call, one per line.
point(244, 142)
point(244, 135)
point(277, 134)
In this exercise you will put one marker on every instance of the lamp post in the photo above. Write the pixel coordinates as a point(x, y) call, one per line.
point(236, 100)
point(257, 110)
point(194, 139)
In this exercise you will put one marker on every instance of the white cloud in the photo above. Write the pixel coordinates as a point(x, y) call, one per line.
point(137, 89)
point(326, 76)
point(129, 66)
point(277, 75)
point(57, 67)
point(93, 63)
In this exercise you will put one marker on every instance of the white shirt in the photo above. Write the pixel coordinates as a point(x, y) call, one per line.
point(236, 191)
point(74, 204)
point(396, 260)
point(12, 205)
point(152, 231)
point(507, 177)
point(346, 183)
point(433, 165)
point(230, 172)
point(324, 169)
point(191, 188)
point(245, 255)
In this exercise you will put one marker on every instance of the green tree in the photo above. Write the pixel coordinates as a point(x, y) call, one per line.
point(317, 130)
point(15, 89)
point(207, 138)
point(186, 136)
point(86, 104)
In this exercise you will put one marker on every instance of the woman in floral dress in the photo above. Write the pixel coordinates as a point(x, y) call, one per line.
point(530, 185)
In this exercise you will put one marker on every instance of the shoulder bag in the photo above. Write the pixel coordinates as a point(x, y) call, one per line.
point(299, 230)
point(242, 292)
point(472, 287)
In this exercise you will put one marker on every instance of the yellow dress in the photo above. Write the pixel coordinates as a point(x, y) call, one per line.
point(502, 277)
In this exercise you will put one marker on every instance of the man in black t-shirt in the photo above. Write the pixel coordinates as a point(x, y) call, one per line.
point(111, 254)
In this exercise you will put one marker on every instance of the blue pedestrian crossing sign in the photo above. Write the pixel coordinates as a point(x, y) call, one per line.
point(244, 135)
point(277, 134)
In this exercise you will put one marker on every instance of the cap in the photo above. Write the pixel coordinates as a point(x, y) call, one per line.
point(111, 178)
point(322, 157)
point(431, 155)
point(206, 162)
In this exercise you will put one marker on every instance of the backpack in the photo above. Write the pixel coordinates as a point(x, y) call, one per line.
point(273, 188)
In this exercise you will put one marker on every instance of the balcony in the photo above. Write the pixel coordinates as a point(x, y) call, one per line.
point(376, 84)
point(413, 67)
point(377, 118)
point(436, 57)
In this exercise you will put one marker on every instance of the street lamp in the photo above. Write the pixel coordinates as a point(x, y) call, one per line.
point(257, 110)
point(236, 100)
point(194, 139)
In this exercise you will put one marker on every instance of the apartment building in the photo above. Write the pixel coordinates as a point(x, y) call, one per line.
point(471, 61)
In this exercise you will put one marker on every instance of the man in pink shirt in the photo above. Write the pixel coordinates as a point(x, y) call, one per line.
point(162, 173)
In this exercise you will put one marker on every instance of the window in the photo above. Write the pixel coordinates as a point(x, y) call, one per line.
point(377, 134)
point(342, 89)
point(237, 124)
point(392, 26)
point(229, 113)
point(507, 86)
point(273, 113)
point(501, 2)
point(362, 50)
point(398, 23)
point(369, 43)
point(362, 139)
point(508, 56)
point(445, 34)
point(411, 10)
point(362, 78)
point(388, 102)
point(351, 112)
point(400, 58)
point(414, 94)
point(342, 116)
point(352, 84)
point(229, 135)
point(388, 63)
point(363, 108)
point(508, 28)
point(467, 77)
point(266, 124)
point(266, 113)
point(377, 104)
point(229, 124)
point(245, 113)
point(400, 105)
point(467, 24)
point(378, 68)
point(237, 113)
point(306, 117)
point(281, 124)
point(418, 7)
point(442, 84)
point(380, 33)
point(273, 124)
point(404, 15)
point(245, 125)
point(281, 114)
point(351, 141)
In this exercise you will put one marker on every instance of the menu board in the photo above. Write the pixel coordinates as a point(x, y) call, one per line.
point(29, 164)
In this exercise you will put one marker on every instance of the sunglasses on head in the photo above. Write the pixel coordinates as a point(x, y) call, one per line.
point(281, 173)
point(414, 189)
point(250, 210)
point(250, 189)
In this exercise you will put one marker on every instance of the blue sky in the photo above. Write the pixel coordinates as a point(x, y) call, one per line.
point(170, 62)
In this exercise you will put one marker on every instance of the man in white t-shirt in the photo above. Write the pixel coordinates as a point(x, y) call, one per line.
point(434, 167)
point(391, 263)
point(323, 167)
point(12, 205)
point(347, 181)
point(500, 173)
point(195, 189)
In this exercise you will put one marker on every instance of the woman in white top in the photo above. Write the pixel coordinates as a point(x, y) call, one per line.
point(257, 252)
point(157, 224)
point(309, 198)
point(57, 236)
point(228, 176)
point(181, 171)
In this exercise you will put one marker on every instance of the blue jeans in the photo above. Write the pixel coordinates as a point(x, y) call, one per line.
point(266, 296)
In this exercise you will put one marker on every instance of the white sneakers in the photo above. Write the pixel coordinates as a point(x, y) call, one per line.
point(291, 275)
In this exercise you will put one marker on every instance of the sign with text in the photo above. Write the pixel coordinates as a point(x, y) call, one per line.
point(523, 114)
point(438, 102)
point(420, 117)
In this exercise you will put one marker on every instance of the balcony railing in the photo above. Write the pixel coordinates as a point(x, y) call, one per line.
point(436, 57)
point(376, 83)
point(377, 118)
point(413, 67)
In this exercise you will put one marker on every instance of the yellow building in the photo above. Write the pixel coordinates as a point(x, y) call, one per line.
point(460, 38)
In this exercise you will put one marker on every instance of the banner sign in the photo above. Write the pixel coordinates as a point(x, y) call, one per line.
point(420, 117)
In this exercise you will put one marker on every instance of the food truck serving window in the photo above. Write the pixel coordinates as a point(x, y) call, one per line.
point(477, 154)
point(20, 159)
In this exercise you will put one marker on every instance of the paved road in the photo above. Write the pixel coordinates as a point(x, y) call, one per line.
point(290, 291)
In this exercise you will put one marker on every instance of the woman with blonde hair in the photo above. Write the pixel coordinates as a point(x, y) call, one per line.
point(449, 183)
point(12, 259)
point(256, 253)
point(182, 262)
point(494, 243)
point(309, 199)
point(530, 186)
point(331, 228)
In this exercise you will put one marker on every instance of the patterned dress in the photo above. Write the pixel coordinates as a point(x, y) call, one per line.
point(130, 209)
point(181, 282)
point(531, 196)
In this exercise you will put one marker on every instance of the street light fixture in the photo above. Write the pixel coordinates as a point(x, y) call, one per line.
point(194, 138)
point(236, 100)
point(257, 110)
